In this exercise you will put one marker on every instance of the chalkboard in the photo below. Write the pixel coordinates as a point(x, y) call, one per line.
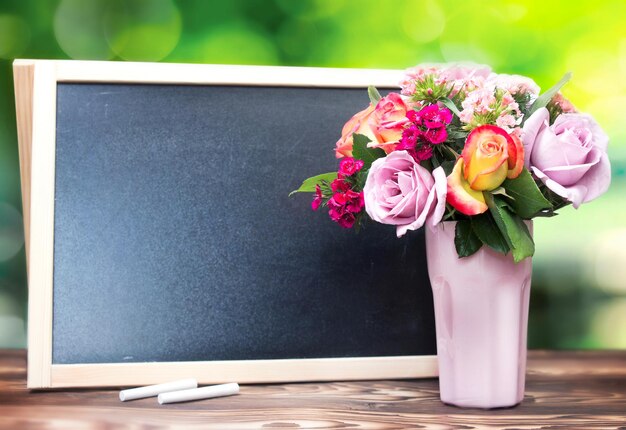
point(175, 239)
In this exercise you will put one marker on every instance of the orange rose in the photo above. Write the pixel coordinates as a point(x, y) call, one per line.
point(357, 124)
point(382, 124)
point(490, 155)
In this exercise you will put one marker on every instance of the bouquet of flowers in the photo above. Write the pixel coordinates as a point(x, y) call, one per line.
point(461, 143)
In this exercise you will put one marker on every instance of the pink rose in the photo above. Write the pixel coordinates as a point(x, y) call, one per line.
point(400, 192)
point(568, 156)
point(387, 122)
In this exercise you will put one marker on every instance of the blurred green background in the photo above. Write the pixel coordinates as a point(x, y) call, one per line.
point(579, 280)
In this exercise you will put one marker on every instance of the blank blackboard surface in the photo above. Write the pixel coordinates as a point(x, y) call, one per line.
point(175, 238)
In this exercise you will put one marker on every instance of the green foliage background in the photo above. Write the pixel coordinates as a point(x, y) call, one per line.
point(579, 281)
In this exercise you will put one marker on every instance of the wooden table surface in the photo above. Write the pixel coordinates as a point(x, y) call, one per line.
point(564, 390)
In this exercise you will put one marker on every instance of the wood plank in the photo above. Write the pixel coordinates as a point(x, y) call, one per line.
point(41, 224)
point(244, 371)
point(565, 390)
point(23, 82)
point(192, 74)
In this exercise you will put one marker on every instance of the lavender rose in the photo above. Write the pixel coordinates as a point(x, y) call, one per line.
point(400, 192)
point(568, 156)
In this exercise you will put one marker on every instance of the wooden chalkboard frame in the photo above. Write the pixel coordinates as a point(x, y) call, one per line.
point(35, 92)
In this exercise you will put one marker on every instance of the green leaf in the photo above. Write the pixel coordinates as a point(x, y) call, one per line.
point(361, 178)
point(457, 134)
point(526, 198)
point(557, 201)
point(450, 105)
point(360, 151)
point(448, 166)
point(544, 99)
point(373, 94)
point(500, 191)
point(465, 240)
point(524, 246)
point(308, 186)
point(488, 232)
point(512, 228)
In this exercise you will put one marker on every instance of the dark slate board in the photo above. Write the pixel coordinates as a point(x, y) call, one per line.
point(175, 238)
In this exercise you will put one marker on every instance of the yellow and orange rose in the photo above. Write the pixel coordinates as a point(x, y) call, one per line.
point(490, 155)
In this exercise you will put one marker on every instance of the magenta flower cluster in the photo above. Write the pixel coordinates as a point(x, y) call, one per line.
point(345, 203)
point(427, 128)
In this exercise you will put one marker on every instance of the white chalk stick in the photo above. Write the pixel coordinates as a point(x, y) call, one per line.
point(155, 390)
point(199, 393)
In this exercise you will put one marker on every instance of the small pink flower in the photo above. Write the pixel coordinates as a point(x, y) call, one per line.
point(467, 114)
point(514, 84)
point(506, 121)
point(413, 117)
point(428, 127)
point(507, 100)
point(435, 136)
point(344, 206)
point(486, 105)
point(422, 153)
point(434, 117)
point(348, 166)
point(355, 201)
point(458, 75)
point(563, 103)
point(414, 144)
point(317, 200)
point(339, 185)
point(410, 137)
point(343, 218)
point(408, 87)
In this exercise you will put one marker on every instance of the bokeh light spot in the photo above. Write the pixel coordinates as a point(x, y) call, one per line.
point(512, 12)
point(622, 55)
point(12, 325)
point(594, 69)
point(608, 322)
point(451, 51)
point(311, 9)
point(607, 262)
point(236, 44)
point(423, 21)
point(609, 112)
point(467, 39)
point(297, 37)
point(11, 232)
point(14, 36)
point(142, 30)
point(78, 29)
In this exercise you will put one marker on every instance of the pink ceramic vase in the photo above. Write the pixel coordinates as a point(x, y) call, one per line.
point(481, 316)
